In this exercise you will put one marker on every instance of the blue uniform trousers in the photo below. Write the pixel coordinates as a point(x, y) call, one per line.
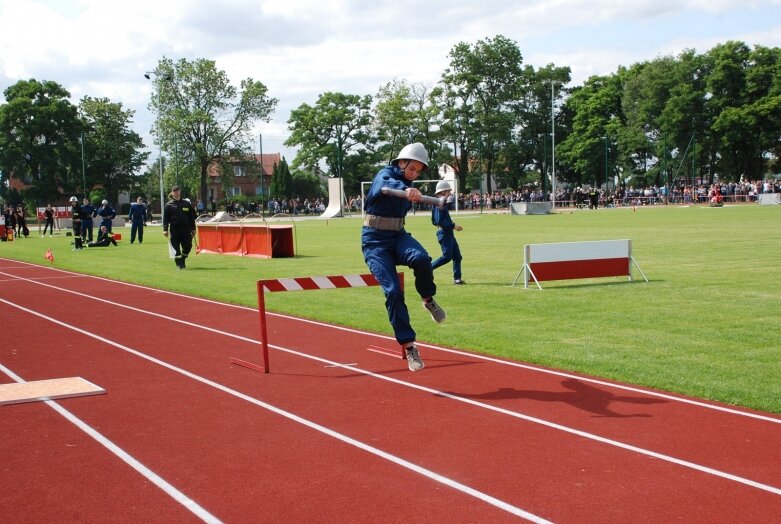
point(450, 251)
point(383, 251)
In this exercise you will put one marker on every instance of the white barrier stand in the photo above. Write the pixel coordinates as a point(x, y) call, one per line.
point(573, 260)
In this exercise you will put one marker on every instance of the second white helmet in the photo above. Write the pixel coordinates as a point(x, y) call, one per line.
point(416, 151)
point(74, 199)
point(442, 185)
point(105, 202)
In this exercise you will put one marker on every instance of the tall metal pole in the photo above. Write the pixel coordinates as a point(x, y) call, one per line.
point(83, 168)
point(606, 162)
point(160, 147)
point(159, 80)
point(262, 202)
point(553, 150)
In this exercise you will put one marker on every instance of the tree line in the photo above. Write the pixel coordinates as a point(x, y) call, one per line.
point(670, 120)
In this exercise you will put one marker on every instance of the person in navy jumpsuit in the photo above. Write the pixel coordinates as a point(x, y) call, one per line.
point(386, 244)
point(88, 211)
point(107, 215)
point(137, 217)
point(440, 217)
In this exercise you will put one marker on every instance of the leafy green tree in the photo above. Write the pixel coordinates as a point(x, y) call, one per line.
point(113, 153)
point(489, 77)
point(337, 126)
point(209, 119)
point(597, 109)
point(306, 185)
point(39, 139)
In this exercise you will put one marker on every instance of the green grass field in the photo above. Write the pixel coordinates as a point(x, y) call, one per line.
point(706, 325)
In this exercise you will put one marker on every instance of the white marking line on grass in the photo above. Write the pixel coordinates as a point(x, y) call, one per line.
point(515, 414)
point(296, 418)
point(476, 356)
point(123, 455)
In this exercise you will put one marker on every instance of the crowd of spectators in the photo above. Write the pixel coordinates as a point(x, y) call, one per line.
point(576, 197)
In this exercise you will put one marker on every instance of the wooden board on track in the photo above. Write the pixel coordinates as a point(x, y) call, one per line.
point(47, 390)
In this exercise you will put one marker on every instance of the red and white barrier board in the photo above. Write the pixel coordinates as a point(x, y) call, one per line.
point(571, 260)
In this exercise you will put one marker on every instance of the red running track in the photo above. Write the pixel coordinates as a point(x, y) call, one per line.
point(339, 430)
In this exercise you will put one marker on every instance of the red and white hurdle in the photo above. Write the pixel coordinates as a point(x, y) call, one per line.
point(570, 260)
point(301, 284)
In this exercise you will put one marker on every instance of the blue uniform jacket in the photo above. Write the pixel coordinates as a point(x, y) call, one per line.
point(107, 213)
point(441, 217)
point(137, 213)
point(386, 206)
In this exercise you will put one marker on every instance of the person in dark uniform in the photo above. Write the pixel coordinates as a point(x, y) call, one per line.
point(107, 215)
point(440, 217)
point(21, 222)
point(138, 218)
point(88, 212)
point(386, 244)
point(105, 238)
point(76, 214)
point(48, 216)
point(179, 226)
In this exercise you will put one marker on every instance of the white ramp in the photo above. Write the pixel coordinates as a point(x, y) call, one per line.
point(336, 199)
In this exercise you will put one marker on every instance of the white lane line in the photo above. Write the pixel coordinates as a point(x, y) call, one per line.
point(296, 418)
point(528, 418)
point(123, 455)
point(476, 356)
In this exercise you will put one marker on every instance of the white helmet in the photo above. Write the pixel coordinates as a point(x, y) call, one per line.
point(74, 199)
point(105, 202)
point(414, 151)
point(442, 185)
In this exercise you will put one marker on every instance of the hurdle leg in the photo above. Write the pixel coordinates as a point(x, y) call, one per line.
point(401, 282)
point(263, 335)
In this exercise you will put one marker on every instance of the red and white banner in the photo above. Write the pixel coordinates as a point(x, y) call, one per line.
point(570, 260)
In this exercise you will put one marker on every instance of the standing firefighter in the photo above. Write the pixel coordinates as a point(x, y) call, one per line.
point(440, 217)
point(76, 215)
point(179, 219)
point(386, 244)
point(137, 217)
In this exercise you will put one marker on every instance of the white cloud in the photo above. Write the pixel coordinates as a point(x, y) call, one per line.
point(301, 48)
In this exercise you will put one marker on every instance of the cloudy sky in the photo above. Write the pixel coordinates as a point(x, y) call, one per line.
point(301, 48)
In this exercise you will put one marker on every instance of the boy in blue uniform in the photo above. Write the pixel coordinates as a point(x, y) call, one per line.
point(137, 217)
point(386, 244)
point(440, 217)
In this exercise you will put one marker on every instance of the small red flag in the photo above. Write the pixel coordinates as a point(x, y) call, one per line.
point(49, 256)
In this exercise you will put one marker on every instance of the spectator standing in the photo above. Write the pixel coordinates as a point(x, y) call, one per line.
point(138, 218)
point(88, 211)
point(385, 244)
point(48, 217)
point(440, 217)
point(21, 222)
point(179, 218)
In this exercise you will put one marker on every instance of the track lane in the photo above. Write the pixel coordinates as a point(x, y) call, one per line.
point(444, 367)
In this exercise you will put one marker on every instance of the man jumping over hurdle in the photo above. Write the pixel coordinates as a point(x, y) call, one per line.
point(386, 244)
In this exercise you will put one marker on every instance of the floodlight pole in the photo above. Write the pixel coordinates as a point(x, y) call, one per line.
point(262, 196)
point(553, 146)
point(83, 167)
point(160, 134)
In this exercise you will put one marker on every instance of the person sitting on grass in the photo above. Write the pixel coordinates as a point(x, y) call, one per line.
point(105, 238)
